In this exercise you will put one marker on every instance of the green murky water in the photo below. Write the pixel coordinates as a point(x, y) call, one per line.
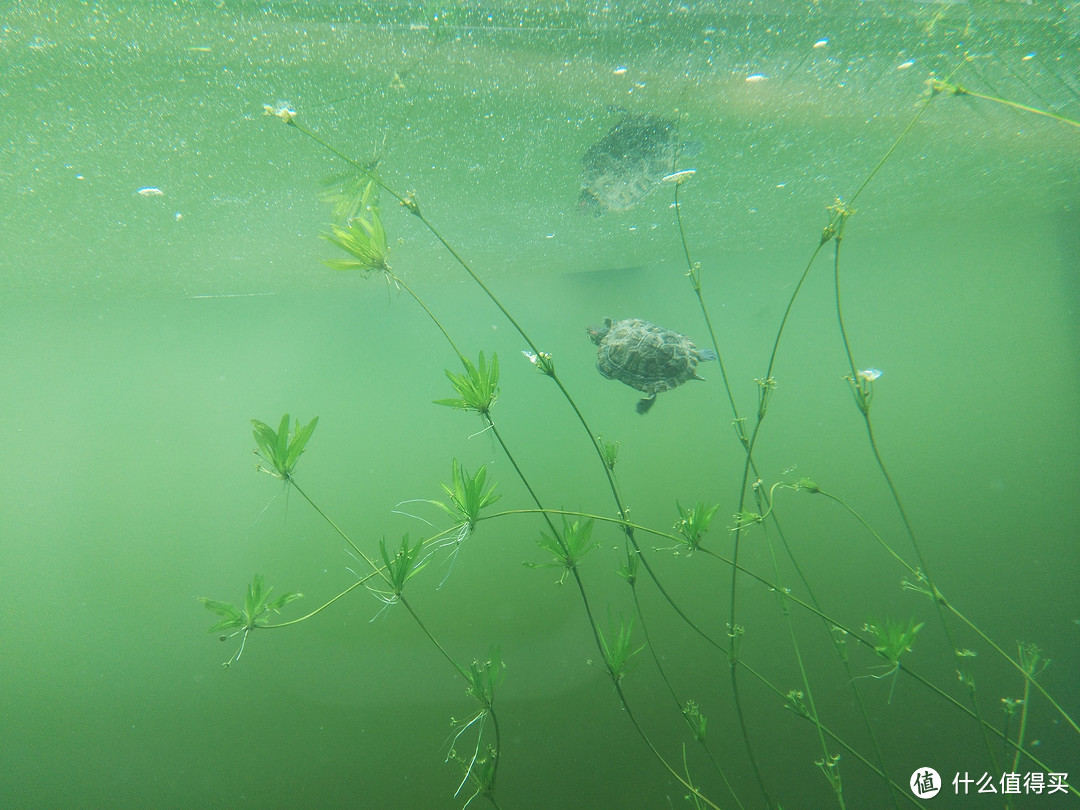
point(140, 332)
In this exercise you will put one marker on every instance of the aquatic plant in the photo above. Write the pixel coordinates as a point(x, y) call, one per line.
point(694, 522)
point(618, 647)
point(477, 388)
point(568, 548)
point(568, 537)
point(280, 449)
point(467, 495)
point(400, 567)
point(257, 608)
point(891, 640)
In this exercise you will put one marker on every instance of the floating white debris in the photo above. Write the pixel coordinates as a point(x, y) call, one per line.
point(756, 77)
point(620, 70)
point(905, 65)
point(1029, 57)
point(283, 110)
point(150, 191)
point(821, 43)
point(678, 177)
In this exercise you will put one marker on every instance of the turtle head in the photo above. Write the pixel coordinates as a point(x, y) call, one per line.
point(590, 202)
point(596, 334)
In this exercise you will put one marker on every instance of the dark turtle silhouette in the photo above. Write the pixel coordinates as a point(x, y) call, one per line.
point(628, 162)
point(646, 356)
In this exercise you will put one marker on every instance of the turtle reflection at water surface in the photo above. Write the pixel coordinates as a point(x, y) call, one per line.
point(635, 156)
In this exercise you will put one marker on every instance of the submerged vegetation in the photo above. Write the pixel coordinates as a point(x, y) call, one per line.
point(625, 642)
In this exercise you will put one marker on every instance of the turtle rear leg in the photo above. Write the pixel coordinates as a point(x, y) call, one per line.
point(644, 404)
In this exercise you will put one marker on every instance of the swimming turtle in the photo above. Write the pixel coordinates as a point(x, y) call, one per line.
point(646, 356)
point(630, 161)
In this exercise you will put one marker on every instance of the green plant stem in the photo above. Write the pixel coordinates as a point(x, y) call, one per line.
point(461, 671)
point(939, 597)
point(957, 90)
point(321, 607)
point(622, 519)
point(1023, 723)
point(411, 205)
point(656, 752)
point(1028, 679)
point(769, 586)
point(864, 409)
point(851, 678)
point(805, 678)
point(588, 609)
point(374, 566)
point(693, 273)
point(401, 283)
point(413, 208)
point(678, 703)
point(401, 598)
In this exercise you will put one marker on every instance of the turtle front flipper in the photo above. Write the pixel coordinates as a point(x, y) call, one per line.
point(645, 403)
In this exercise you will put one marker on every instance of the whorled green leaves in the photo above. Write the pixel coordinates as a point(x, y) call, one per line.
point(257, 608)
point(693, 522)
point(893, 639)
point(362, 236)
point(484, 675)
point(569, 547)
point(477, 388)
point(695, 719)
point(405, 563)
point(618, 647)
point(400, 567)
point(280, 449)
point(609, 451)
point(1031, 659)
point(467, 494)
point(354, 192)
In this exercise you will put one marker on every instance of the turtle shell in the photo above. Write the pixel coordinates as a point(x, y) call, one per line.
point(646, 356)
point(628, 162)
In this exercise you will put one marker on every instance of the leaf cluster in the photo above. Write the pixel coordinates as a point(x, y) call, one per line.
point(477, 388)
point(481, 770)
point(695, 719)
point(1031, 660)
point(569, 548)
point(279, 449)
point(362, 236)
point(609, 451)
point(694, 522)
point(893, 639)
point(405, 564)
point(353, 192)
point(629, 571)
point(467, 495)
point(257, 606)
point(617, 647)
point(484, 676)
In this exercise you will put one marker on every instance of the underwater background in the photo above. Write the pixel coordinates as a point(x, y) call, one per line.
point(162, 283)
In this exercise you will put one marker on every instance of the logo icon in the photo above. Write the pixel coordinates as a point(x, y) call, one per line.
point(925, 783)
